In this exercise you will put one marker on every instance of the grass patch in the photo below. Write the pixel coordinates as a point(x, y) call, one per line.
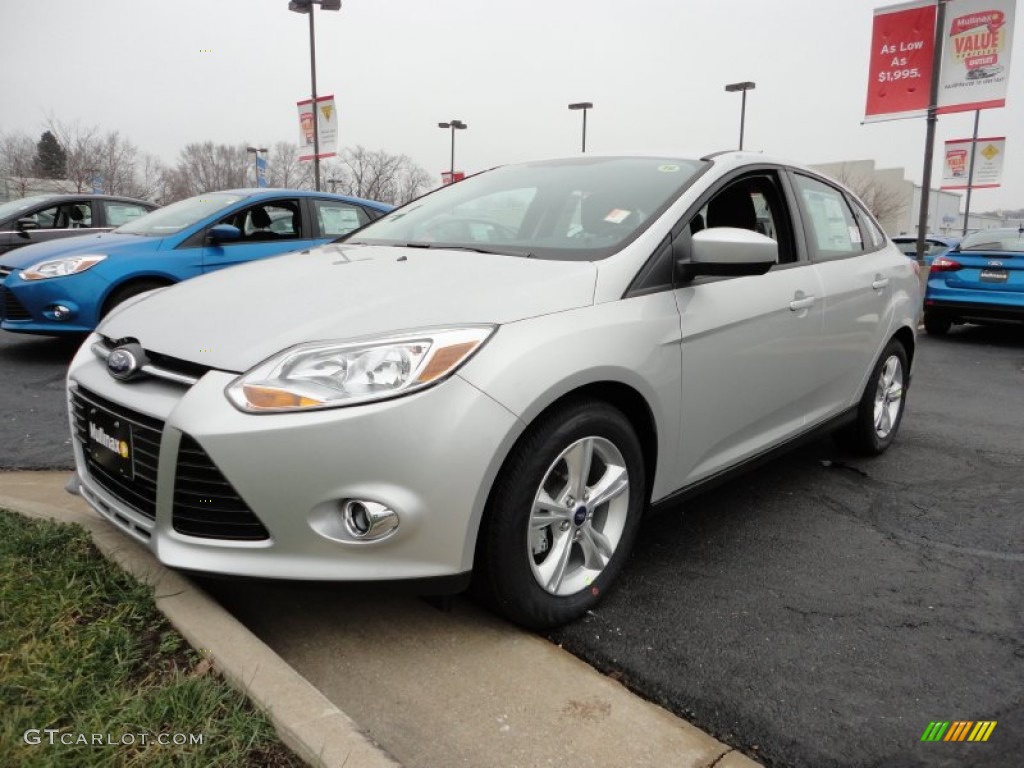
point(84, 650)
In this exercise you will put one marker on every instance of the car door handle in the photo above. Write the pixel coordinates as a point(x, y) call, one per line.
point(880, 283)
point(797, 304)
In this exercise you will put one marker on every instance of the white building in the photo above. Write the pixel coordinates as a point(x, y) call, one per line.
point(896, 201)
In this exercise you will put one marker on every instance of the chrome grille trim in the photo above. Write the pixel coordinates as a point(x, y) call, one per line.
point(101, 351)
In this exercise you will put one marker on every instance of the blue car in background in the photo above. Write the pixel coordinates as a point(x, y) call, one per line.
point(934, 245)
point(67, 286)
point(979, 281)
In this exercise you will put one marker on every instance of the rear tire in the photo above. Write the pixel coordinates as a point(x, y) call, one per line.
point(880, 410)
point(562, 515)
point(936, 325)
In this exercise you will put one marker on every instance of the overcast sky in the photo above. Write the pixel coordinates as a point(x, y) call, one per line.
point(169, 72)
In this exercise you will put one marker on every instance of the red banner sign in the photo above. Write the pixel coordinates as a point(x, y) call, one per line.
point(900, 74)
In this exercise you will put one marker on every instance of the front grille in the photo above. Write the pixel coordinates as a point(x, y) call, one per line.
point(205, 503)
point(139, 493)
point(10, 307)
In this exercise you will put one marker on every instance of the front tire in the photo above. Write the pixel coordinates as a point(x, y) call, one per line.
point(129, 291)
point(880, 410)
point(563, 515)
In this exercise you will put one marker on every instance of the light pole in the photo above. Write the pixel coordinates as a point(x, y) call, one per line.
point(334, 184)
point(584, 105)
point(306, 6)
point(256, 153)
point(455, 125)
point(744, 87)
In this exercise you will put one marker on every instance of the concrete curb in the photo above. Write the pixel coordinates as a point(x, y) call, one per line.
point(313, 727)
point(420, 657)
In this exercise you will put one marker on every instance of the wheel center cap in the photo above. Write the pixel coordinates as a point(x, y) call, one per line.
point(580, 516)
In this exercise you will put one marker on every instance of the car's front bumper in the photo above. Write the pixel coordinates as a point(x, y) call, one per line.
point(27, 306)
point(430, 456)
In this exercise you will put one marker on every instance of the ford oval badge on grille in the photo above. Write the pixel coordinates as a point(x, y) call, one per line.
point(126, 361)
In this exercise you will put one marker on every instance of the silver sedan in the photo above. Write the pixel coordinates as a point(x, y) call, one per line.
point(498, 380)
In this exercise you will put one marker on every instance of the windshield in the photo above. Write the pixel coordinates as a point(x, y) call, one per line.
point(176, 216)
point(13, 207)
point(575, 209)
point(1010, 239)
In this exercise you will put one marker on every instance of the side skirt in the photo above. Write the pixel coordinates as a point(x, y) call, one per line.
point(674, 499)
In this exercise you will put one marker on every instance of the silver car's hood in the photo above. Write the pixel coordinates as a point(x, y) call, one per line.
point(237, 317)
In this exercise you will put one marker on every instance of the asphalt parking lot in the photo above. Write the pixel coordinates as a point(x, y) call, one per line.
point(819, 612)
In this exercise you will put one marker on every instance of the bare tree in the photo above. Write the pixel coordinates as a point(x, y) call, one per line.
point(886, 202)
point(91, 154)
point(284, 169)
point(17, 160)
point(379, 175)
point(150, 179)
point(207, 167)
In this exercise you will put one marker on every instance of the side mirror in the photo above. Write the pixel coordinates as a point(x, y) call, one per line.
point(729, 252)
point(224, 233)
point(24, 224)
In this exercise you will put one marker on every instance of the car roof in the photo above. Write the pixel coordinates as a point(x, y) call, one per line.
point(726, 159)
point(85, 195)
point(255, 193)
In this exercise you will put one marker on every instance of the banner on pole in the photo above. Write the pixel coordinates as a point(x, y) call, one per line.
point(988, 163)
point(447, 177)
point(900, 68)
point(327, 127)
point(977, 41)
point(261, 171)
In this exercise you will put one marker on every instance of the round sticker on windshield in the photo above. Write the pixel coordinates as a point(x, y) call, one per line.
point(668, 168)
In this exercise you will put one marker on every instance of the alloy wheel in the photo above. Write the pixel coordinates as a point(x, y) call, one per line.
point(578, 516)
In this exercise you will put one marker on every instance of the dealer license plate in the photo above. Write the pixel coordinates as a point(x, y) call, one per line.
point(109, 442)
point(994, 275)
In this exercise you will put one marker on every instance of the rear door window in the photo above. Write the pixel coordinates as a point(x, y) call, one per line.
point(832, 229)
point(335, 218)
point(121, 213)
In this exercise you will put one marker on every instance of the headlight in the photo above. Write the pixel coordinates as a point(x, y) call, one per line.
point(332, 374)
point(62, 267)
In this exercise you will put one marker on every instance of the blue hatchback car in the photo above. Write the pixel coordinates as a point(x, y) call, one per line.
point(979, 281)
point(67, 286)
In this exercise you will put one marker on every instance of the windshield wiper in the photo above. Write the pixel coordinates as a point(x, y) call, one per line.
point(471, 248)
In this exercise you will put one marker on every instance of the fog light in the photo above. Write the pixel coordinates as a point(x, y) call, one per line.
point(58, 312)
point(368, 520)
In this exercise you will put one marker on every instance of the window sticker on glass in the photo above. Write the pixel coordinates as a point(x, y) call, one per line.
point(854, 233)
point(338, 221)
point(617, 216)
point(668, 168)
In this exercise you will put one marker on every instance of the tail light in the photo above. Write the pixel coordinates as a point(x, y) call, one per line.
point(945, 264)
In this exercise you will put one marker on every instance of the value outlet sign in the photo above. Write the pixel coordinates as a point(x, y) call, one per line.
point(976, 49)
point(988, 163)
point(976, 42)
point(902, 48)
